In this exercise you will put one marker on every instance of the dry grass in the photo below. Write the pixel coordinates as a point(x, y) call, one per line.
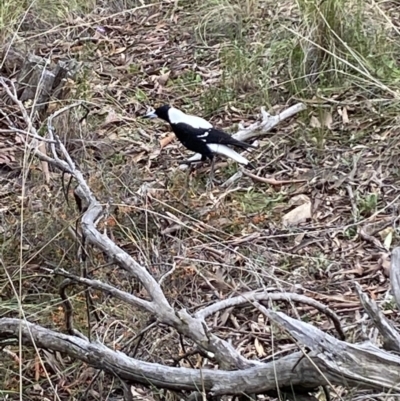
point(225, 59)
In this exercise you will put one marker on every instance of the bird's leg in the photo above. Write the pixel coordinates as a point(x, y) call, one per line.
point(192, 163)
point(210, 183)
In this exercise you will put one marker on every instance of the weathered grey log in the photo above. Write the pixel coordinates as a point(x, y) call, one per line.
point(331, 361)
point(38, 88)
point(391, 338)
point(31, 65)
point(64, 70)
point(37, 78)
point(354, 365)
point(12, 61)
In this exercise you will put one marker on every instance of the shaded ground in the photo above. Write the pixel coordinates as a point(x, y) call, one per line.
point(220, 243)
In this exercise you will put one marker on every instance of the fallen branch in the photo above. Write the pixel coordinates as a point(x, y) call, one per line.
point(362, 365)
point(182, 321)
point(395, 275)
point(254, 296)
point(258, 379)
point(391, 338)
point(268, 122)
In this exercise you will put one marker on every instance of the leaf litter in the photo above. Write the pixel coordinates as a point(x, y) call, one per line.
point(340, 230)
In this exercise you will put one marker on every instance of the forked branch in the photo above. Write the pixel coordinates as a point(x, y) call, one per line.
point(330, 361)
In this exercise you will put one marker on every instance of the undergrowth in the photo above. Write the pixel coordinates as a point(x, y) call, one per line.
point(339, 57)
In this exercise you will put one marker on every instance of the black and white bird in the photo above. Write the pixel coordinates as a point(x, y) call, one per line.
point(199, 136)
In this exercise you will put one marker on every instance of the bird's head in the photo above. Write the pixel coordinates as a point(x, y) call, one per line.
point(160, 112)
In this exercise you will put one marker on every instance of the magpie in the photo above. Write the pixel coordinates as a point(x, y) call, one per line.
point(199, 136)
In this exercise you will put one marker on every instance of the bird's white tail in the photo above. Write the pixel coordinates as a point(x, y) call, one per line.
point(228, 152)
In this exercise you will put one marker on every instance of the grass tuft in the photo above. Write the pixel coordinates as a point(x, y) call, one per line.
point(340, 43)
point(21, 15)
point(225, 19)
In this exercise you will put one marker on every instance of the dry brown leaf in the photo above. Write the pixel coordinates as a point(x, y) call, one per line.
point(327, 120)
point(119, 50)
point(298, 215)
point(384, 262)
point(388, 240)
point(140, 394)
point(163, 78)
point(259, 348)
point(167, 140)
point(345, 116)
point(314, 122)
point(140, 156)
point(299, 200)
point(112, 117)
point(45, 165)
point(385, 232)
point(6, 158)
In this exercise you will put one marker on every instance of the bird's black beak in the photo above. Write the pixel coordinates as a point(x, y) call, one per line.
point(150, 114)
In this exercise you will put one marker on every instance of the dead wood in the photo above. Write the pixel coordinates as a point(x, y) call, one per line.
point(37, 79)
point(395, 275)
point(391, 338)
point(330, 361)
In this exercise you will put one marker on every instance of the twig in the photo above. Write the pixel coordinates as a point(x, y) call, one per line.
point(139, 336)
point(271, 181)
point(99, 285)
point(255, 296)
point(69, 310)
point(37, 144)
point(268, 122)
point(168, 273)
point(395, 275)
point(22, 132)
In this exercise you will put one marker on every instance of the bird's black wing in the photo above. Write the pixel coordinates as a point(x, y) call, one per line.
point(193, 139)
point(213, 135)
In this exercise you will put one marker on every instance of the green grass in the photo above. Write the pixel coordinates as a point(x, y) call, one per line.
point(221, 20)
point(249, 54)
point(338, 46)
point(20, 15)
point(341, 43)
point(254, 201)
point(367, 204)
point(244, 80)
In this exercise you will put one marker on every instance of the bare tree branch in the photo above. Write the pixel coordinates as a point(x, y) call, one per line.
point(253, 296)
point(362, 366)
point(391, 338)
point(364, 363)
point(194, 328)
point(115, 292)
point(268, 122)
point(395, 275)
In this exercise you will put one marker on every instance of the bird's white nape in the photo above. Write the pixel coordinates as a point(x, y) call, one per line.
point(228, 152)
point(176, 116)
